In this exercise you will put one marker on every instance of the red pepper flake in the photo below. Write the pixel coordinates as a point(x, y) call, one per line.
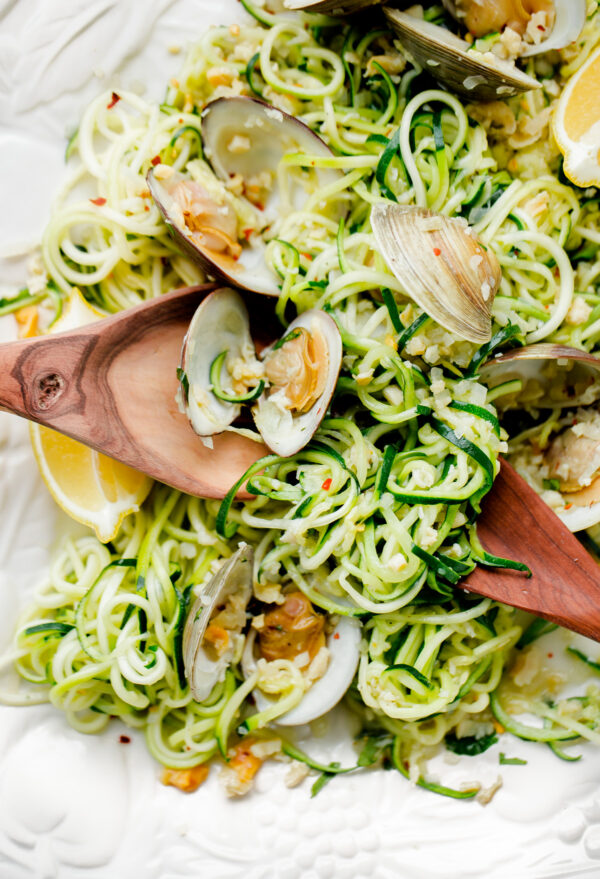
point(114, 100)
point(247, 233)
point(155, 161)
point(98, 201)
point(337, 636)
point(327, 484)
point(568, 506)
point(124, 740)
point(437, 251)
point(146, 207)
point(550, 655)
point(308, 256)
point(541, 27)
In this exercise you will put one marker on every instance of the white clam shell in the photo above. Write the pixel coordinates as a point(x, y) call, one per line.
point(286, 433)
point(528, 362)
point(569, 19)
point(449, 59)
point(343, 644)
point(441, 265)
point(201, 670)
point(220, 323)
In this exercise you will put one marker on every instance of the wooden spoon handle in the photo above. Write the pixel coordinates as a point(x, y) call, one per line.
point(565, 582)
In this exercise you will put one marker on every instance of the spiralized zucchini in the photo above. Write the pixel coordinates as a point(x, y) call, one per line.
point(376, 517)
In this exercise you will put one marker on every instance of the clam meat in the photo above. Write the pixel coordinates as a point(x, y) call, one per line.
point(289, 386)
point(295, 632)
point(441, 265)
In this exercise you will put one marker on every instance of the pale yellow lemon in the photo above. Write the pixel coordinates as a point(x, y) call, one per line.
point(89, 486)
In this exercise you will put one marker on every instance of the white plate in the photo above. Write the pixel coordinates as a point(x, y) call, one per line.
point(78, 807)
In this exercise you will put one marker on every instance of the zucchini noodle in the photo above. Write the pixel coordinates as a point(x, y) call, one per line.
point(375, 518)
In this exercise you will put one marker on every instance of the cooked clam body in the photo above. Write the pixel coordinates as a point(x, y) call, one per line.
point(290, 386)
point(544, 24)
point(212, 631)
point(220, 328)
point(296, 633)
point(476, 76)
point(302, 369)
point(441, 265)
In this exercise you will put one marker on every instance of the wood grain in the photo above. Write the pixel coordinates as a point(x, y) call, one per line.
point(565, 582)
point(112, 385)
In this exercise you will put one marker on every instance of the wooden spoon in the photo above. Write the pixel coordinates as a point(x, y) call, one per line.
point(565, 582)
point(112, 385)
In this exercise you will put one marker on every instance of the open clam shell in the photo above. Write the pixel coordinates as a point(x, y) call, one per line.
point(244, 140)
point(205, 663)
point(449, 59)
point(331, 7)
point(565, 377)
point(343, 644)
point(551, 375)
point(290, 387)
point(283, 428)
point(569, 19)
point(220, 323)
point(246, 137)
point(441, 265)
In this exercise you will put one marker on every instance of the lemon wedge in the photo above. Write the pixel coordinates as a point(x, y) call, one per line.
point(90, 487)
point(576, 124)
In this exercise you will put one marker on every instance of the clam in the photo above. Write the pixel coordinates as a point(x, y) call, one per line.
point(214, 624)
point(441, 265)
point(322, 694)
point(244, 141)
point(475, 76)
point(290, 385)
point(331, 7)
point(550, 375)
point(559, 376)
point(302, 369)
point(566, 19)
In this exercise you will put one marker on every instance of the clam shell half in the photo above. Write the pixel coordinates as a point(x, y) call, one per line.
point(220, 323)
point(202, 669)
point(331, 7)
point(441, 265)
point(569, 19)
point(343, 644)
point(247, 137)
point(284, 431)
point(447, 58)
point(553, 375)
